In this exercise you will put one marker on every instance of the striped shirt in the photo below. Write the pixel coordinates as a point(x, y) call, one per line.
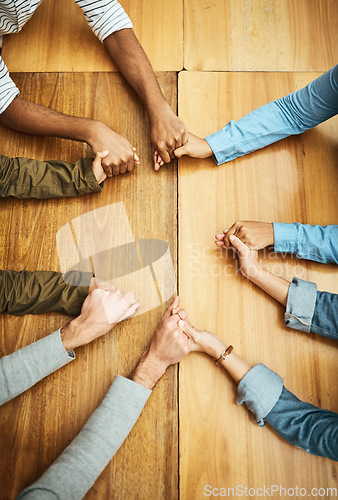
point(104, 17)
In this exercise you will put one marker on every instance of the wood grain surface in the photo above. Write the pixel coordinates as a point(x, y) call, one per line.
point(58, 38)
point(294, 180)
point(260, 35)
point(38, 425)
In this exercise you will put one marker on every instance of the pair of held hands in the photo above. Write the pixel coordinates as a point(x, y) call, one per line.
point(114, 154)
point(173, 340)
point(246, 238)
point(169, 141)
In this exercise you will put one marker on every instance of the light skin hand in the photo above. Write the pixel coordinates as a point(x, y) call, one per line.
point(248, 259)
point(196, 147)
point(203, 341)
point(256, 235)
point(210, 344)
point(168, 346)
point(121, 155)
point(97, 168)
point(274, 285)
point(100, 312)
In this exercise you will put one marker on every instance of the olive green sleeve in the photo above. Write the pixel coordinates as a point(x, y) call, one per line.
point(27, 178)
point(35, 292)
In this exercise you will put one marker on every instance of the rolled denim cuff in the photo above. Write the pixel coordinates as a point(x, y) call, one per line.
point(260, 390)
point(300, 304)
point(216, 141)
point(285, 237)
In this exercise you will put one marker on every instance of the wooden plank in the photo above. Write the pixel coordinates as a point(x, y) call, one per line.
point(293, 180)
point(72, 46)
point(38, 425)
point(260, 35)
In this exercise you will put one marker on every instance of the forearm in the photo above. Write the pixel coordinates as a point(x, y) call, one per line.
point(75, 471)
point(129, 56)
point(274, 285)
point(36, 292)
point(33, 118)
point(24, 368)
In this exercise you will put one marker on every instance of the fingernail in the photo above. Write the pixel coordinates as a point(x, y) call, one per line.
point(105, 152)
point(181, 323)
point(232, 237)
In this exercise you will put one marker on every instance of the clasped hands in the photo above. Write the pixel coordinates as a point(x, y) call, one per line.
point(114, 154)
point(174, 337)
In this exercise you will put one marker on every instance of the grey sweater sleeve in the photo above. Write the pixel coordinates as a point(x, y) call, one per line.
point(27, 366)
point(77, 468)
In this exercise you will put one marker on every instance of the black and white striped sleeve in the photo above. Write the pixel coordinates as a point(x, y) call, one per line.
point(8, 89)
point(104, 16)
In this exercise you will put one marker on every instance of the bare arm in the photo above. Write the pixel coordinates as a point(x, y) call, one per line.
point(33, 118)
point(167, 131)
point(250, 267)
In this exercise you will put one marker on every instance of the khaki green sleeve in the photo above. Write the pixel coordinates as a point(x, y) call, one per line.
point(27, 178)
point(35, 292)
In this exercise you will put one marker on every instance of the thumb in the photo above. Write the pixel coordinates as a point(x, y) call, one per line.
point(181, 151)
point(174, 305)
point(101, 154)
point(188, 330)
point(238, 244)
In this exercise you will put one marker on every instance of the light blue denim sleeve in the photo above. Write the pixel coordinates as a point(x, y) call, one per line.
point(318, 243)
point(290, 115)
point(309, 310)
point(305, 426)
point(259, 389)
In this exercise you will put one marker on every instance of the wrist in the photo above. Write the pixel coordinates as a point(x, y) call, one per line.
point(92, 132)
point(149, 370)
point(216, 349)
point(70, 335)
point(157, 107)
point(253, 272)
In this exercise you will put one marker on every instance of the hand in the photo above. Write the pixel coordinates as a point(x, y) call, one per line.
point(196, 147)
point(248, 259)
point(121, 155)
point(255, 235)
point(202, 340)
point(97, 166)
point(100, 312)
point(168, 346)
point(168, 133)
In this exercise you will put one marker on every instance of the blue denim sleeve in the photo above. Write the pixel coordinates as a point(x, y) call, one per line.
point(305, 426)
point(260, 390)
point(292, 114)
point(311, 311)
point(318, 243)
